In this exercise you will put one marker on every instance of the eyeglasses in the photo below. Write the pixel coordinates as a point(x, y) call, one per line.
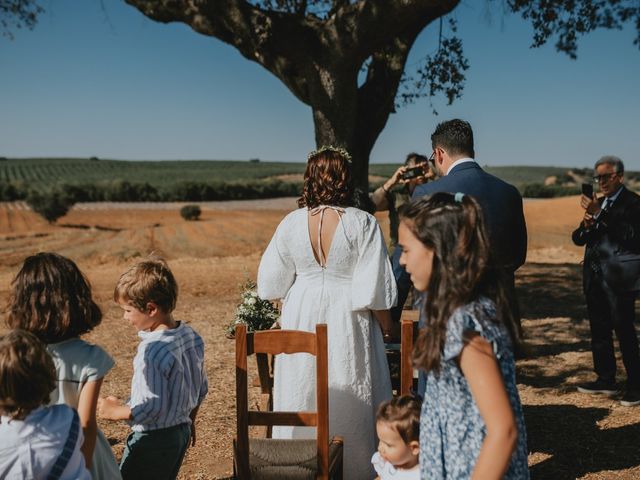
point(432, 158)
point(603, 178)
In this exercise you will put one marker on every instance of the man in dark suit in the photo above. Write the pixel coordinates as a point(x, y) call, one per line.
point(453, 159)
point(610, 230)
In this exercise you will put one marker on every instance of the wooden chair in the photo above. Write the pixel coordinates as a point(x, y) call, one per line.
point(408, 330)
point(266, 458)
point(264, 380)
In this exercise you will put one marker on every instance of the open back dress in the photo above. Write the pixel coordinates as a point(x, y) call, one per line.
point(340, 289)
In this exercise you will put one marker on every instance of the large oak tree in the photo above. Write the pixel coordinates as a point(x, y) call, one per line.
point(346, 59)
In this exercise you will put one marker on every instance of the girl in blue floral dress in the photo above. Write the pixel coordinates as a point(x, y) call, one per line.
point(471, 424)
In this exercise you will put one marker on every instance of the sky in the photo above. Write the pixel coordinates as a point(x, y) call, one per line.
point(106, 81)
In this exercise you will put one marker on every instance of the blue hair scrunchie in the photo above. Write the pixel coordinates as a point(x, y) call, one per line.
point(458, 197)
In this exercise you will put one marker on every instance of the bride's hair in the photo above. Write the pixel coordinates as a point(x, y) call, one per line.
point(453, 227)
point(327, 179)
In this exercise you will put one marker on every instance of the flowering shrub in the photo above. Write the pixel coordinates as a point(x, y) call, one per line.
point(255, 313)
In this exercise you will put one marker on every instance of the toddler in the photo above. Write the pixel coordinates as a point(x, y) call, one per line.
point(169, 381)
point(397, 426)
point(36, 442)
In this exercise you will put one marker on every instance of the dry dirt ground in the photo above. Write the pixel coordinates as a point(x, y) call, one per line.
point(570, 435)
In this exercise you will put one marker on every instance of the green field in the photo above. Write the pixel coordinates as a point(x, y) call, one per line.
point(50, 171)
point(40, 172)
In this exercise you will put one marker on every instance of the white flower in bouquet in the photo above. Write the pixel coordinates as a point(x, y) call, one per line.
point(252, 311)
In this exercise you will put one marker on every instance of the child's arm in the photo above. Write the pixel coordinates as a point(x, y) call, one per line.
point(111, 408)
point(192, 416)
point(480, 368)
point(87, 405)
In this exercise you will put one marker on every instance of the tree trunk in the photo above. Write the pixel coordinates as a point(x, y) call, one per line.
point(339, 133)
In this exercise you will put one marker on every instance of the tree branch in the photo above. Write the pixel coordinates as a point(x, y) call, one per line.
point(376, 96)
point(280, 42)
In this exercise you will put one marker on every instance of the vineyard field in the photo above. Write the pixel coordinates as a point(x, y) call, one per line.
point(39, 172)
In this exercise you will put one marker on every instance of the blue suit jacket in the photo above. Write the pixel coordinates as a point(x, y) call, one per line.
point(502, 207)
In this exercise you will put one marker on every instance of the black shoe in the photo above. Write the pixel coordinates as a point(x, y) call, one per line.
point(598, 387)
point(631, 398)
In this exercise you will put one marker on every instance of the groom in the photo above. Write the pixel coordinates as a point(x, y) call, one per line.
point(453, 160)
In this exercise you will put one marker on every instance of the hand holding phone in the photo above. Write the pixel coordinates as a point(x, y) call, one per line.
point(413, 172)
point(587, 190)
point(588, 202)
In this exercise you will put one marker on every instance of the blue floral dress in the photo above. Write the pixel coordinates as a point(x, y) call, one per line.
point(451, 428)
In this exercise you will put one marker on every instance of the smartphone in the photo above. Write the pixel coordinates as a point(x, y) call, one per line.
point(587, 190)
point(413, 172)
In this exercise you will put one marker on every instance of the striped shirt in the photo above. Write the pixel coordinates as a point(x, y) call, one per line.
point(169, 379)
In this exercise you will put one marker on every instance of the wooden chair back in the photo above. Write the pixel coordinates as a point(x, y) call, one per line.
point(275, 342)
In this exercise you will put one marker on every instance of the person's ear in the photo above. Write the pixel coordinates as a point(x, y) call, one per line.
point(152, 309)
point(414, 445)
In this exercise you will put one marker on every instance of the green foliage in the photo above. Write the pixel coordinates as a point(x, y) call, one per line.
point(18, 14)
point(568, 21)
point(439, 73)
point(49, 205)
point(539, 190)
point(190, 212)
point(11, 191)
point(255, 313)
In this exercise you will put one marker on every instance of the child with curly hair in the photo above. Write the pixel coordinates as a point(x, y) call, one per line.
point(52, 299)
point(36, 441)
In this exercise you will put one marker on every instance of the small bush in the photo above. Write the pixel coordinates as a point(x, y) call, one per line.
point(190, 212)
point(11, 191)
point(49, 205)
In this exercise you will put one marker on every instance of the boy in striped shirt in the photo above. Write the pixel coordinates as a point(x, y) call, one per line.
point(169, 380)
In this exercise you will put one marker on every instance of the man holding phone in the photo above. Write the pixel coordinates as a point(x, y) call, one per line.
point(414, 172)
point(610, 231)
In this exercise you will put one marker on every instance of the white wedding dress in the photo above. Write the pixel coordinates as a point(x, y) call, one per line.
point(356, 279)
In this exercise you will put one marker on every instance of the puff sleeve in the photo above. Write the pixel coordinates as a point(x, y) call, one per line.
point(373, 285)
point(277, 271)
point(98, 365)
point(475, 317)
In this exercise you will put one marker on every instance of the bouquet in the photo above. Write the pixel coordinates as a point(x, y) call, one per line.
point(252, 311)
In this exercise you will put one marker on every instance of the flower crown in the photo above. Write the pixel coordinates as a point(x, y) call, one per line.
point(330, 148)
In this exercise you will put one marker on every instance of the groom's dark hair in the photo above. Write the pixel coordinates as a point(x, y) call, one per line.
point(455, 136)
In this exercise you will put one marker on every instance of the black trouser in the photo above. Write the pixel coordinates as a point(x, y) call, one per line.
point(609, 311)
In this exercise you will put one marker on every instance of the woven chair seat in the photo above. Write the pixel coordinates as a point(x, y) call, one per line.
point(280, 459)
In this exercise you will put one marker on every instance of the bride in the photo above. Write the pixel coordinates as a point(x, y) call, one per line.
point(329, 264)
